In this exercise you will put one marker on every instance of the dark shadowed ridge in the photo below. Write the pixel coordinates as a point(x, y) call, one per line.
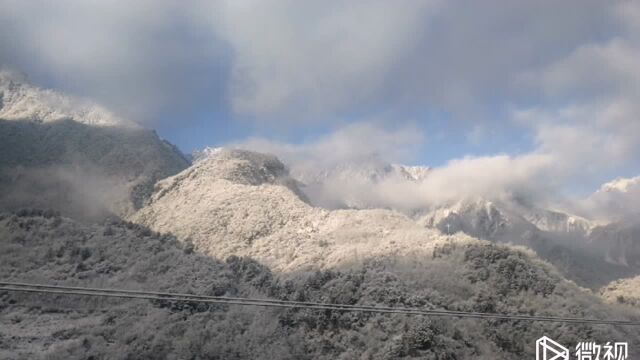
point(82, 170)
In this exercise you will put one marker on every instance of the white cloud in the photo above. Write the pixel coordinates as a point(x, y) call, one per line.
point(352, 143)
point(315, 56)
point(291, 60)
point(335, 57)
point(574, 63)
point(346, 158)
point(615, 200)
point(140, 58)
point(590, 118)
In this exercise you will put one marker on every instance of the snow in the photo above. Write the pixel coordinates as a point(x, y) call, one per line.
point(415, 173)
point(232, 203)
point(246, 207)
point(241, 202)
point(19, 100)
point(44, 248)
point(623, 291)
point(245, 203)
point(60, 152)
point(235, 202)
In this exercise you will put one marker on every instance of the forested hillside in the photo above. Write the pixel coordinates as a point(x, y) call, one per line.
point(40, 246)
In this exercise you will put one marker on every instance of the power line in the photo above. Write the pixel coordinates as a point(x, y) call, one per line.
point(285, 303)
point(177, 297)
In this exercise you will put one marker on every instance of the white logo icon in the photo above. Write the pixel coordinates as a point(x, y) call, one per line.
point(547, 349)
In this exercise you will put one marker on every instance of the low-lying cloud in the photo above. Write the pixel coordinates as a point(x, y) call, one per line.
point(352, 167)
point(83, 192)
point(349, 144)
point(616, 200)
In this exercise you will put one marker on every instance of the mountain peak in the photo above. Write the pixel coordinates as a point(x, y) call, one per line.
point(413, 173)
point(205, 153)
point(21, 100)
point(240, 166)
point(9, 77)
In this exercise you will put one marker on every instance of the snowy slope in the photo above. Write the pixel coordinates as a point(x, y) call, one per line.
point(244, 207)
point(371, 168)
point(63, 153)
point(42, 247)
point(503, 220)
point(239, 202)
point(563, 239)
point(19, 100)
point(359, 185)
point(623, 291)
point(583, 251)
point(558, 222)
point(343, 185)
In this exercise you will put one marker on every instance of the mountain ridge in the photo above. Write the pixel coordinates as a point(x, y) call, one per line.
point(74, 156)
point(20, 100)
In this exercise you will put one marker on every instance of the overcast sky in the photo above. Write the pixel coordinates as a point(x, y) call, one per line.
point(548, 86)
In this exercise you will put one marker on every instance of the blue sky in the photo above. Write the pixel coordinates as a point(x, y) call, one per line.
point(529, 80)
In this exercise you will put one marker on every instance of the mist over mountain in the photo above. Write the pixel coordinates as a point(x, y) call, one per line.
point(67, 154)
point(355, 214)
point(475, 157)
point(246, 208)
point(575, 245)
point(616, 200)
point(243, 223)
point(580, 247)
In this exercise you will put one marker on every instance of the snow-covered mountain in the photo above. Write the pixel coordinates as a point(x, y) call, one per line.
point(20, 100)
point(412, 172)
point(562, 239)
point(369, 169)
point(74, 156)
point(348, 184)
point(458, 274)
point(246, 207)
point(263, 218)
point(240, 202)
point(479, 218)
point(566, 240)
